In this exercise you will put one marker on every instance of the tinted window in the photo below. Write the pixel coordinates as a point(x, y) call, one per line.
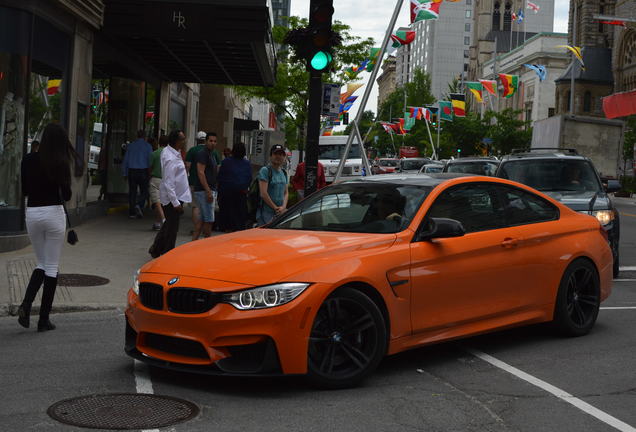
point(370, 207)
point(412, 164)
point(475, 206)
point(523, 207)
point(477, 168)
point(568, 176)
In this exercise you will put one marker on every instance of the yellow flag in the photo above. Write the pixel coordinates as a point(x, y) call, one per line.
point(577, 53)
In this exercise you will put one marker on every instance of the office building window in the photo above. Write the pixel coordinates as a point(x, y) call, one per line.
point(496, 17)
point(469, 2)
point(466, 54)
point(466, 40)
point(467, 27)
point(465, 67)
point(468, 13)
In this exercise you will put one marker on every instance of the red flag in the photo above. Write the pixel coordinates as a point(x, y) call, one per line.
point(620, 104)
point(615, 22)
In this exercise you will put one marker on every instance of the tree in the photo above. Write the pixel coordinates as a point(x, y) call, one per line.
point(289, 94)
point(507, 131)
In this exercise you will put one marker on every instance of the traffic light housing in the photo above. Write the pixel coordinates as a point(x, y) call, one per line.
point(319, 35)
point(434, 120)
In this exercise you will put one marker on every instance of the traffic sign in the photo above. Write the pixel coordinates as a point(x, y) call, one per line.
point(330, 99)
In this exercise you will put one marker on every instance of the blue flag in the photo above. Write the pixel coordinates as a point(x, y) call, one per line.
point(539, 69)
point(520, 16)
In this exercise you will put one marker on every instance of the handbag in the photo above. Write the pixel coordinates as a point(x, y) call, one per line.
point(71, 235)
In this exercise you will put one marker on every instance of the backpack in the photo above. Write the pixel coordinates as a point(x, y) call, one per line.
point(254, 201)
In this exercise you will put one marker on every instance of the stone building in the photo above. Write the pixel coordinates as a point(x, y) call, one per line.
point(386, 81)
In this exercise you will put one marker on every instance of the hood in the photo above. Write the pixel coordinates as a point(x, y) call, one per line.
point(580, 201)
point(262, 256)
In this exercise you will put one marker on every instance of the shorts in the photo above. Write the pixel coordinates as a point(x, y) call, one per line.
point(154, 190)
point(206, 208)
point(194, 201)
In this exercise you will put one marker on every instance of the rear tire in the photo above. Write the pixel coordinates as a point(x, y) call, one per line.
point(578, 299)
point(347, 342)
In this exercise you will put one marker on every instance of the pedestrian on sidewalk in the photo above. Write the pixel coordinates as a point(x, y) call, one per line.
point(205, 184)
point(155, 182)
point(46, 182)
point(235, 176)
point(272, 185)
point(135, 169)
point(173, 193)
point(298, 181)
point(191, 166)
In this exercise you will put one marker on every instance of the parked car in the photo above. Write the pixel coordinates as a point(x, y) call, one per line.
point(366, 268)
point(571, 179)
point(412, 165)
point(385, 166)
point(473, 165)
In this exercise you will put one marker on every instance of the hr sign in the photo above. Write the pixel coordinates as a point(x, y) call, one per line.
point(178, 19)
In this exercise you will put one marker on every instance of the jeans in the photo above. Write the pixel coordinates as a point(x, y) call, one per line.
point(233, 210)
point(137, 178)
point(46, 227)
point(206, 208)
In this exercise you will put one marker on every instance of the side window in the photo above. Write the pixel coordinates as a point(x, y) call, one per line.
point(476, 206)
point(523, 207)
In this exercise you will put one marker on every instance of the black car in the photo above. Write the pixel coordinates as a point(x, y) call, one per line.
point(473, 165)
point(571, 179)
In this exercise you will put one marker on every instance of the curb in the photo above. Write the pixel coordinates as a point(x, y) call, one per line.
point(12, 309)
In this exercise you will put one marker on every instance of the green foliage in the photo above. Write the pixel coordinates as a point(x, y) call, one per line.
point(289, 94)
point(629, 141)
point(367, 120)
point(507, 131)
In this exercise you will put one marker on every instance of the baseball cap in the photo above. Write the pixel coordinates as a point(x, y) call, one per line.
point(277, 148)
point(201, 135)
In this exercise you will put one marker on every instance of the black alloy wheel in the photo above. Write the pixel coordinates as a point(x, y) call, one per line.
point(578, 299)
point(347, 341)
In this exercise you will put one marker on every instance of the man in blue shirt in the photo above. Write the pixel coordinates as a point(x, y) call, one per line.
point(135, 168)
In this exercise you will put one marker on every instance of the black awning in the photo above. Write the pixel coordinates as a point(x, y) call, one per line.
point(204, 41)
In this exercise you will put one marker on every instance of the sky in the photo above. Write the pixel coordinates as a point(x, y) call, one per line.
point(370, 18)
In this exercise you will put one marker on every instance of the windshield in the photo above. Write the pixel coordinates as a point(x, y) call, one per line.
point(432, 168)
point(412, 164)
point(553, 175)
point(334, 151)
point(370, 207)
point(477, 167)
point(389, 162)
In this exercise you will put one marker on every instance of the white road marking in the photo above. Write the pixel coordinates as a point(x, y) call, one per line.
point(561, 394)
point(617, 307)
point(143, 383)
point(627, 268)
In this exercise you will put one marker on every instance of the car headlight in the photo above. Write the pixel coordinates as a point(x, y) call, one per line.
point(135, 285)
point(604, 216)
point(266, 296)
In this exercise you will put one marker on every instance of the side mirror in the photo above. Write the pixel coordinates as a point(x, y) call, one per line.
point(441, 228)
point(612, 186)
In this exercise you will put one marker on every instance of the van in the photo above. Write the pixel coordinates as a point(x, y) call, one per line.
point(331, 149)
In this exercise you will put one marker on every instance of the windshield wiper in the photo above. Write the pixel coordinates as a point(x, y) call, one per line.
point(592, 201)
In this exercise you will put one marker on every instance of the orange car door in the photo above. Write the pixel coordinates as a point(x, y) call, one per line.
point(462, 279)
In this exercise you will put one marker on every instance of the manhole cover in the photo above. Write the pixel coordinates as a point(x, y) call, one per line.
point(123, 411)
point(80, 280)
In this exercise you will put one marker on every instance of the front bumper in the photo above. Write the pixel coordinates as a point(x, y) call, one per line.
point(223, 340)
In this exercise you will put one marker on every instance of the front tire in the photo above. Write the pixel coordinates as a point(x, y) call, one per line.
point(347, 341)
point(578, 299)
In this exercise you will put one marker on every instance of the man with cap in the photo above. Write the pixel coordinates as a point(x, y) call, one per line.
point(272, 183)
point(191, 166)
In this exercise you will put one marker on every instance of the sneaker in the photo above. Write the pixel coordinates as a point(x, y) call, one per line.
point(156, 226)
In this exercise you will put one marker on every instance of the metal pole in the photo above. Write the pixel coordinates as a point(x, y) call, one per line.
point(573, 60)
point(313, 132)
point(431, 138)
point(363, 152)
point(439, 123)
point(367, 90)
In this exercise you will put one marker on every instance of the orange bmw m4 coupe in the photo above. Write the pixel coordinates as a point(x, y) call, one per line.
point(369, 268)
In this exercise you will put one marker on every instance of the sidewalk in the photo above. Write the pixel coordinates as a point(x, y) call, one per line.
point(111, 247)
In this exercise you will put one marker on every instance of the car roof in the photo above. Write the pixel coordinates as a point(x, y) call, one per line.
point(546, 153)
point(473, 159)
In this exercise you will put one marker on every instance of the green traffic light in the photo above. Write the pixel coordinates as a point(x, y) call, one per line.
point(321, 60)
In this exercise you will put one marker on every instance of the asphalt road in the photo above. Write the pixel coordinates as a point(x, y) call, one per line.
point(448, 387)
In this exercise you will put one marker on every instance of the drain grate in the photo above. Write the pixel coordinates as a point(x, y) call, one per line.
point(123, 411)
point(80, 280)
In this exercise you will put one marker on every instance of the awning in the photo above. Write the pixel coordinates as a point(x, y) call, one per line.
point(204, 41)
point(620, 104)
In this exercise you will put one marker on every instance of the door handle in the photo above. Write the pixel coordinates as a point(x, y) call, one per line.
point(509, 242)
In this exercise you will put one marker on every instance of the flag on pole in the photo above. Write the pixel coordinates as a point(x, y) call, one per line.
point(328, 131)
point(351, 89)
point(445, 110)
point(513, 17)
point(576, 51)
point(424, 10)
point(615, 22)
point(353, 71)
point(409, 121)
point(53, 87)
point(426, 113)
point(458, 101)
point(388, 127)
point(477, 89)
point(490, 86)
point(539, 69)
point(416, 112)
point(402, 37)
point(510, 84)
point(520, 16)
point(535, 7)
point(347, 104)
point(374, 53)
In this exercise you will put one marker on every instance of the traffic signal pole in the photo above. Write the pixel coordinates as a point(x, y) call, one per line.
point(367, 90)
point(313, 131)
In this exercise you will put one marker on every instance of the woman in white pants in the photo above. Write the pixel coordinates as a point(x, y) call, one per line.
point(46, 181)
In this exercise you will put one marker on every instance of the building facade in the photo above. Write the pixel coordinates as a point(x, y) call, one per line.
point(534, 97)
point(280, 10)
point(441, 47)
point(386, 80)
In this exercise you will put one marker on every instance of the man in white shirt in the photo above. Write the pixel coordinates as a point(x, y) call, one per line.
point(173, 192)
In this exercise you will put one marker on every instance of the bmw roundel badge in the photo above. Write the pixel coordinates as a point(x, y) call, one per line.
point(173, 281)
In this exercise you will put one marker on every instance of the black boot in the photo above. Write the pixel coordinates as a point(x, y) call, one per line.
point(24, 311)
point(48, 293)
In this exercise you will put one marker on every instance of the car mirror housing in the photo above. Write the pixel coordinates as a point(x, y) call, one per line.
point(612, 186)
point(441, 228)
